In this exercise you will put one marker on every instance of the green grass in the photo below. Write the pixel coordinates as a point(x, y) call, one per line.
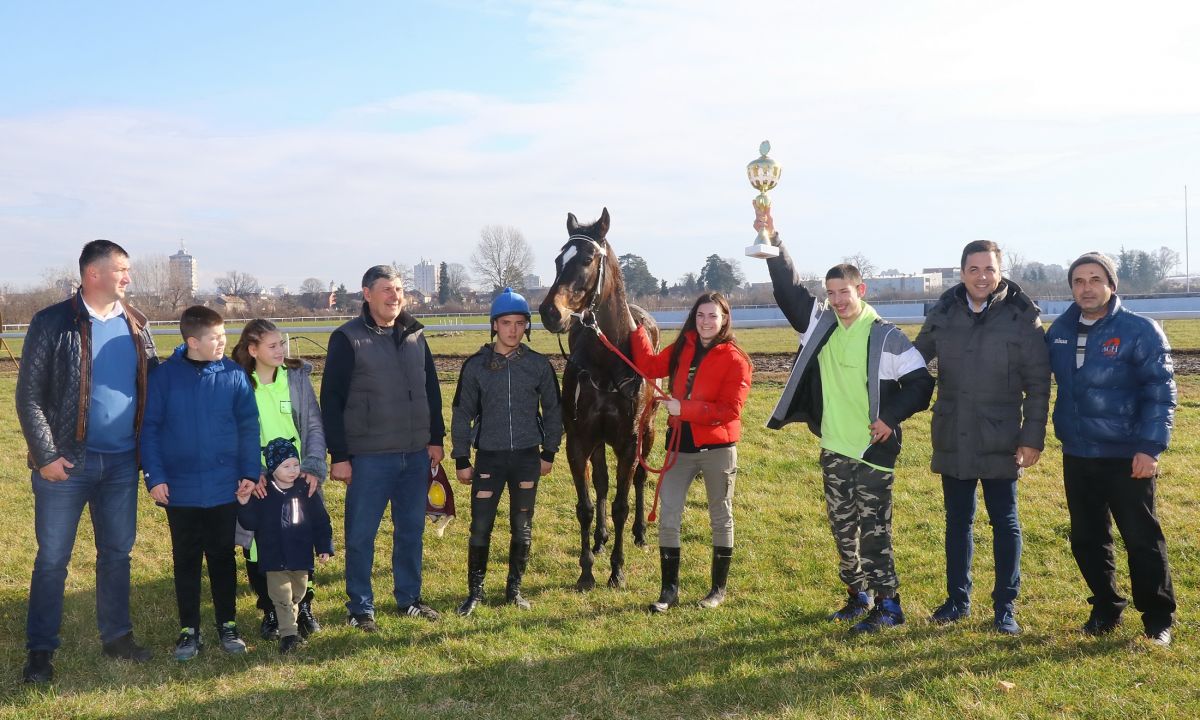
point(767, 653)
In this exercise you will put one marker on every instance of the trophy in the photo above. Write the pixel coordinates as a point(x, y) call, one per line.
point(763, 173)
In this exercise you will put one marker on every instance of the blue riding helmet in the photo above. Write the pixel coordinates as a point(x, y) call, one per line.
point(510, 303)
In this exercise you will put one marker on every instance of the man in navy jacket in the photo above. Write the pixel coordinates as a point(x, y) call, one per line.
point(1114, 411)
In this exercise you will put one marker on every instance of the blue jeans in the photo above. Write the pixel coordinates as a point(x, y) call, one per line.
point(108, 484)
point(403, 479)
point(1000, 499)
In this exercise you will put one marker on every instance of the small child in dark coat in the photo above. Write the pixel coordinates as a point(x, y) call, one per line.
point(288, 525)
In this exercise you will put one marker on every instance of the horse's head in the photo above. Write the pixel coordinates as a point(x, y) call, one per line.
point(583, 274)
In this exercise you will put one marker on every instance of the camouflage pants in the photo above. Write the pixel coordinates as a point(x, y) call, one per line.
point(858, 500)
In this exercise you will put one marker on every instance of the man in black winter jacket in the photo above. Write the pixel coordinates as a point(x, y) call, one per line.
point(80, 395)
point(989, 421)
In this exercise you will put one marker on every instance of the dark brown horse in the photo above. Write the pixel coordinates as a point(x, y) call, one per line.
point(602, 397)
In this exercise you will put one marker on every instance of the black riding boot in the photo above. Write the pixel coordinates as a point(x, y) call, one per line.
point(669, 597)
point(720, 574)
point(477, 559)
point(518, 559)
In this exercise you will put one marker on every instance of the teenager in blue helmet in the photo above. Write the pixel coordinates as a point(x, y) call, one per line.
point(506, 407)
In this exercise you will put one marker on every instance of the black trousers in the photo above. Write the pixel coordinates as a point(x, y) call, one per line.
point(200, 535)
point(1099, 491)
point(493, 471)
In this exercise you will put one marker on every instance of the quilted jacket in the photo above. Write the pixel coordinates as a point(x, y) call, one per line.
point(54, 385)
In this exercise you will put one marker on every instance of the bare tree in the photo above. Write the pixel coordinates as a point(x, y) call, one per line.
point(862, 262)
point(313, 294)
point(238, 284)
point(312, 286)
point(150, 276)
point(502, 258)
point(456, 282)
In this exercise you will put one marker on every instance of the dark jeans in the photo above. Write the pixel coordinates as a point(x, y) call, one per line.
point(108, 484)
point(494, 471)
point(201, 535)
point(403, 480)
point(1000, 499)
point(1100, 490)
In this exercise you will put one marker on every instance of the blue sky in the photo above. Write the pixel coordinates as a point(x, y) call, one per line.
point(312, 140)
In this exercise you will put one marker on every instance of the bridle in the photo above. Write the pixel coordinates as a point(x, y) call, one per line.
point(586, 316)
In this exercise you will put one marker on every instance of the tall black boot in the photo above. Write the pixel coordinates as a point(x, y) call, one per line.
point(518, 559)
point(669, 597)
point(477, 559)
point(720, 574)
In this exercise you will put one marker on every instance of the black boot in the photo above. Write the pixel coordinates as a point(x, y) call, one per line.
point(306, 620)
point(477, 559)
point(518, 558)
point(38, 667)
point(669, 597)
point(720, 574)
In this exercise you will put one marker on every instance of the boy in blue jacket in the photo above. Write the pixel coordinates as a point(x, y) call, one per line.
point(288, 525)
point(199, 448)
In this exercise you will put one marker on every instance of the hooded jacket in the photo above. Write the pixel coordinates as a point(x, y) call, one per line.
point(898, 383)
point(1122, 400)
point(288, 527)
point(993, 382)
point(200, 434)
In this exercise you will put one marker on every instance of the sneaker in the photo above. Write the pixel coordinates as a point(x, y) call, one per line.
point(363, 621)
point(269, 630)
point(188, 645)
point(125, 648)
point(1005, 623)
point(886, 613)
point(950, 612)
point(289, 643)
point(306, 620)
point(858, 603)
point(1101, 623)
point(38, 667)
point(419, 609)
point(231, 641)
point(1160, 637)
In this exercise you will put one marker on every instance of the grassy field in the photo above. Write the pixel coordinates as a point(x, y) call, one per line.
point(767, 653)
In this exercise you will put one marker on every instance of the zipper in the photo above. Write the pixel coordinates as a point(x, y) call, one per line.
point(508, 374)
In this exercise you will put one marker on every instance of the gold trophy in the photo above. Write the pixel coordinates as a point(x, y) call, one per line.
point(763, 173)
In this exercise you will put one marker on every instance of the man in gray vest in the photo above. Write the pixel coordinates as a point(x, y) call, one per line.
point(382, 408)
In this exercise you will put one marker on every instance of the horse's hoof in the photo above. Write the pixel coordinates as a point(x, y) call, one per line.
point(599, 545)
point(585, 584)
point(616, 581)
point(639, 539)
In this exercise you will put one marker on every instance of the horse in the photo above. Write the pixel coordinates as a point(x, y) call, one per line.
point(602, 398)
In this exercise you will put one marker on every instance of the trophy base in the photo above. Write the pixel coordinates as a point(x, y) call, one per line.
point(764, 252)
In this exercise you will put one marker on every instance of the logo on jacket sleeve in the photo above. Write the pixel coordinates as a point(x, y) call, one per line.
point(1110, 347)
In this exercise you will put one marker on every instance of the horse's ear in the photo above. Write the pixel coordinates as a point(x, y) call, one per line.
point(572, 224)
point(603, 222)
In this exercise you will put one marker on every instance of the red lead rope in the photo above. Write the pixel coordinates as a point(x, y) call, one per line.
point(647, 417)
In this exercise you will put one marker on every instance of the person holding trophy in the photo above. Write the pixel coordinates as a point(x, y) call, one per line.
point(855, 379)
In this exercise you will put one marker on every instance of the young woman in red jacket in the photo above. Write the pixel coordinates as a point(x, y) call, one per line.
point(709, 378)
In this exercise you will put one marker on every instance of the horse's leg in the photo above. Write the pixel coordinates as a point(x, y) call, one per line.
point(639, 510)
point(620, 512)
point(584, 511)
point(600, 482)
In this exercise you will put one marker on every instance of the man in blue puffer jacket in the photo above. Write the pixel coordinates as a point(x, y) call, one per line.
point(1114, 411)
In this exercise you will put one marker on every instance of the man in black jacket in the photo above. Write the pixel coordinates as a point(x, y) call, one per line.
point(80, 395)
point(989, 421)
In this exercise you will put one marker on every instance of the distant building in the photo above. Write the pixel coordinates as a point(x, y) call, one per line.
point(279, 290)
point(231, 306)
point(532, 282)
point(183, 271)
point(425, 277)
point(904, 284)
point(949, 274)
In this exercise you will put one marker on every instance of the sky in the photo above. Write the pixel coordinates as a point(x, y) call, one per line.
point(305, 139)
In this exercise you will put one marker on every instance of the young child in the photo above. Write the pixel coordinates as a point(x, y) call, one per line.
point(287, 408)
point(496, 404)
point(288, 525)
point(199, 447)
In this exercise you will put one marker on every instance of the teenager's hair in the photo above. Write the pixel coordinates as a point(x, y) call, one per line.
point(196, 319)
point(99, 250)
point(253, 334)
point(846, 272)
point(978, 246)
point(724, 335)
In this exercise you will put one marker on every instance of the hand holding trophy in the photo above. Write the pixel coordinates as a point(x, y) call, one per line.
point(763, 173)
